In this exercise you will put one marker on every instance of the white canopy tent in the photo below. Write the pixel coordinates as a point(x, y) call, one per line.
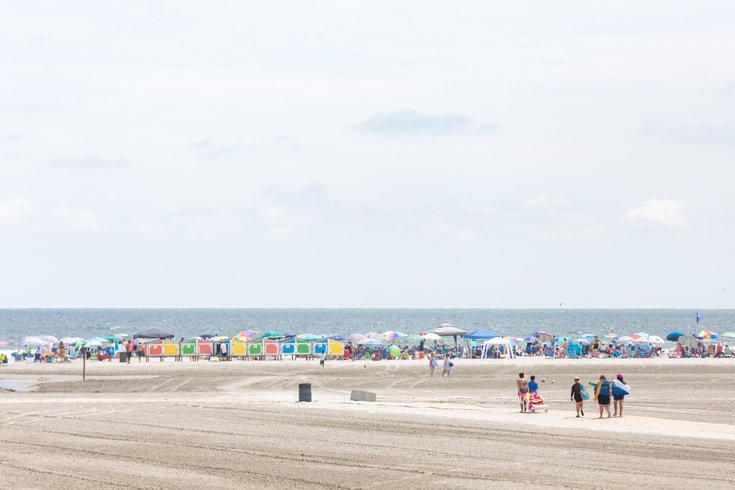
point(498, 342)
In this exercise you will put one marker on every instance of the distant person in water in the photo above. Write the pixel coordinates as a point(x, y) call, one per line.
point(602, 395)
point(522, 384)
point(577, 396)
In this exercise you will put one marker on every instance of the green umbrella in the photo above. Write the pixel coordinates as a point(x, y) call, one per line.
point(272, 335)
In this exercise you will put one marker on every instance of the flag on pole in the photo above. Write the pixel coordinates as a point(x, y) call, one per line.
point(699, 317)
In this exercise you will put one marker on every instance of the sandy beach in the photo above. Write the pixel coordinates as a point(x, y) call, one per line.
point(238, 424)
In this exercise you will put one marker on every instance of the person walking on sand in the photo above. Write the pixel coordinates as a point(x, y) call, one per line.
point(432, 363)
point(618, 396)
point(129, 350)
point(447, 366)
point(577, 396)
point(322, 358)
point(522, 385)
point(602, 395)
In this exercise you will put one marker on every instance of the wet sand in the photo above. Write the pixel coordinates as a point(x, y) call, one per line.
point(238, 425)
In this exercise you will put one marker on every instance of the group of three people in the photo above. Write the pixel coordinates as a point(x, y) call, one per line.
point(604, 390)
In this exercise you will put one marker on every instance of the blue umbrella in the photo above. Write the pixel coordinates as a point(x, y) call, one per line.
point(374, 343)
point(531, 338)
point(337, 336)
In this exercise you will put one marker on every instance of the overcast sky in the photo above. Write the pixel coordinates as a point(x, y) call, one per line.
point(367, 153)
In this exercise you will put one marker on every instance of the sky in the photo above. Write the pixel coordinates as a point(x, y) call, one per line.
point(373, 153)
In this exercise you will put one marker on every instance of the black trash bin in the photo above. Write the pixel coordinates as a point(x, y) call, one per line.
point(305, 392)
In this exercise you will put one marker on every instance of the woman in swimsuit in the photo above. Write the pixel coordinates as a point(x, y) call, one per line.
point(522, 385)
point(618, 397)
point(576, 395)
point(602, 395)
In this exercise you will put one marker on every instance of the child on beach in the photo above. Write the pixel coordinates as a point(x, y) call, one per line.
point(578, 396)
point(447, 366)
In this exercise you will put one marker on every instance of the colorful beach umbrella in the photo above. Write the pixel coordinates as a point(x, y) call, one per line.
point(372, 343)
point(707, 334)
point(610, 335)
point(542, 335)
point(3, 343)
point(391, 335)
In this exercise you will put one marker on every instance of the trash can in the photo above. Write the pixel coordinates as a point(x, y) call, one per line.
point(305, 392)
point(123, 356)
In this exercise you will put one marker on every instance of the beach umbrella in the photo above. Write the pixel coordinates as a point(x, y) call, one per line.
point(514, 340)
point(246, 333)
point(336, 336)
point(542, 335)
point(71, 340)
point(153, 333)
point(394, 350)
point(391, 335)
point(309, 336)
point(655, 339)
point(3, 343)
point(414, 337)
point(372, 343)
point(122, 335)
point(688, 341)
point(431, 336)
point(95, 342)
point(583, 341)
point(50, 339)
point(221, 338)
point(610, 335)
point(625, 339)
point(482, 334)
point(674, 336)
point(531, 339)
point(113, 338)
point(25, 341)
point(707, 334)
point(355, 337)
point(449, 330)
point(207, 335)
point(272, 335)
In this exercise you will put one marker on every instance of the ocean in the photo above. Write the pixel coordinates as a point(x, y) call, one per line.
point(86, 323)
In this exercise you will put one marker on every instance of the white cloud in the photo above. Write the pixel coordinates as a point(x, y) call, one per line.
point(15, 209)
point(661, 212)
point(77, 219)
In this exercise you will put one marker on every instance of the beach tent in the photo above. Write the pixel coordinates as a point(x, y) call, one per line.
point(482, 334)
point(153, 333)
point(500, 342)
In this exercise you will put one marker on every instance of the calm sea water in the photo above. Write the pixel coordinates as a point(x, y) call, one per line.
point(16, 323)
